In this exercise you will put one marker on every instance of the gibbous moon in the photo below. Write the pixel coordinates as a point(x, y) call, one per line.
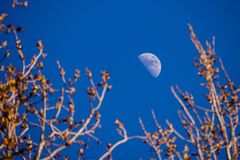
point(151, 63)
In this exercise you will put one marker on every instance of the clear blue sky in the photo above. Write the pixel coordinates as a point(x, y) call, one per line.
point(110, 34)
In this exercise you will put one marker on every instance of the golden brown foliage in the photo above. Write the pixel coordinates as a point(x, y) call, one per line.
point(25, 108)
point(211, 131)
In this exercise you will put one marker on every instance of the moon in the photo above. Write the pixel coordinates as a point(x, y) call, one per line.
point(151, 63)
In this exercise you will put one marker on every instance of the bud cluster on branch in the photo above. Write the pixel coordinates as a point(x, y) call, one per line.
point(28, 110)
point(38, 121)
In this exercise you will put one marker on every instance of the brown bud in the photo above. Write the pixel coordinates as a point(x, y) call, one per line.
point(39, 45)
point(186, 149)
point(186, 156)
point(24, 125)
point(68, 143)
point(71, 90)
point(88, 73)
point(97, 116)
point(7, 53)
point(25, 4)
point(2, 68)
point(58, 104)
point(19, 45)
point(19, 29)
point(62, 72)
point(81, 152)
point(109, 87)
point(71, 107)
point(91, 91)
point(41, 112)
point(70, 119)
point(4, 44)
point(184, 123)
point(118, 123)
point(44, 55)
point(155, 135)
point(105, 75)
point(9, 28)
point(51, 91)
point(40, 65)
point(76, 74)
point(3, 16)
point(109, 145)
